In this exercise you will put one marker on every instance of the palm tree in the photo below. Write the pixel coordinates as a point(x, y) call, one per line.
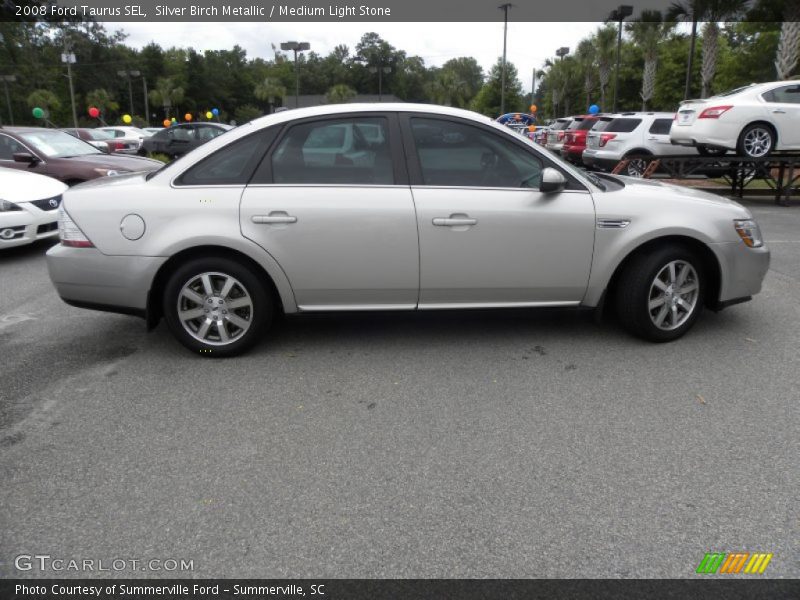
point(270, 90)
point(712, 12)
point(341, 93)
point(43, 99)
point(605, 43)
point(786, 59)
point(585, 54)
point(647, 33)
point(166, 93)
point(448, 89)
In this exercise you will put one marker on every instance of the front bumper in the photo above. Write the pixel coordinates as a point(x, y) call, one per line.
point(19, 228)
point(88, 278)
point(743, 270)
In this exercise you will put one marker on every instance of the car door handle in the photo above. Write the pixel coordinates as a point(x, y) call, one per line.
point(454, 221)
point(778, 111)
point(273, 218)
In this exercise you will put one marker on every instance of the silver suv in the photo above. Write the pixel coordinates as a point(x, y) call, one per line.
point(615, 137)
point(365, 207)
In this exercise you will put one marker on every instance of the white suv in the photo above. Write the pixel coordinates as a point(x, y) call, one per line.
point(615, 137)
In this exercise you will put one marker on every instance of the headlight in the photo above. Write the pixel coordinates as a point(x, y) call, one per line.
point(6, 206)
point(108, 172)
point(749, 232)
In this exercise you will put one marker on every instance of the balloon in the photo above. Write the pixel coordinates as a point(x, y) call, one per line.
point(126, 119)
point(38, 113)
point(174, 119)
point(215, 112)
point(187, 117)
point(94, 112)
point(533, 108)
point(167, 123)
point(209, 114)
point(594, 109)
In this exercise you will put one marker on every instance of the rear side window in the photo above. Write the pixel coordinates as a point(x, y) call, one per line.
point(560, 125)
point(232, 165)
point(789, 94)
point(624, 125)
point(586, 124)
point(352, 151)
point(600, 124)
point(661, 126)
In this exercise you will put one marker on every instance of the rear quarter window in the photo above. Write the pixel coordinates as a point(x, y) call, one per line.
point(624, 125)
point(661, 126)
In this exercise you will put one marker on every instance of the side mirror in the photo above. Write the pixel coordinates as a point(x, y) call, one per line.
point(104, 149)
point(552, 181)
point(25, 157)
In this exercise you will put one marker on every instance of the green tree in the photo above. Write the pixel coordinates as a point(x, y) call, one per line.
point(648, 33)
point(102, 100)
point(487, 101)
point(43, 99)
point(166, 94)
point(340, 94)
point(605, 41)
point(246, 113)
point(448, 89)
point(271, 91)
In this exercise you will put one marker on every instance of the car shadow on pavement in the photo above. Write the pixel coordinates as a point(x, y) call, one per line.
point(34, 250)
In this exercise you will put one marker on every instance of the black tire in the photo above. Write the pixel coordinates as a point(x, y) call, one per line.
point(635, 290)
point(637, 164)
point(257, 316)
point(706, 151)
point(749, 147)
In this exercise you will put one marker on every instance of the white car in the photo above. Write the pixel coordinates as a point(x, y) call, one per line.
point(127, 133)
point(633, 134)
point(754, 120)
point(555, 135)
point(28, 207)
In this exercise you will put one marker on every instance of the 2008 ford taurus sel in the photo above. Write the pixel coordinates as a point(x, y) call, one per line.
point(393, 207)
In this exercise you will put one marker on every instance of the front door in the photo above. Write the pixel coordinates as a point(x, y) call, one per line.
point(332, 205)
point(488, 236)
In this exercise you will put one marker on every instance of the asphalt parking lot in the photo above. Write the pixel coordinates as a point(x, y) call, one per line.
point(486, 444)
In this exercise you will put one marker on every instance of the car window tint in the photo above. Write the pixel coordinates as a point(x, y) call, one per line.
point(586, 124)
point(206, 132)
point(454, 154)
point(661, 126)
point(232, 165)
point(342, 151)
point(624, 125)
point(788, 94)
point(183, 133)
point(8, 147)
point(600, 124)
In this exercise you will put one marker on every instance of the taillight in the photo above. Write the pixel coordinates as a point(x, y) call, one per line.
point(560, 135)
point(604, 137)
point(714, 112)
point(69, 233)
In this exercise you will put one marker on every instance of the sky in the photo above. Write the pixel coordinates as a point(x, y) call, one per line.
point(529, 44)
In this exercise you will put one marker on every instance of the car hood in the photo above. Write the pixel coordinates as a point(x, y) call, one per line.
point(20, 186)
point(653, 188)
point(115, 161)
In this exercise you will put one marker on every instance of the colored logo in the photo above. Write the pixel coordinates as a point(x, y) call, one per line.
point(734, 562)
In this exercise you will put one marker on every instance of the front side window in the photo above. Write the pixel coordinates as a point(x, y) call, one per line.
point(9, 147)
point(455, 154)
point(342, 151)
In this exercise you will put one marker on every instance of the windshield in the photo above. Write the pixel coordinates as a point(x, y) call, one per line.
point(57, 144)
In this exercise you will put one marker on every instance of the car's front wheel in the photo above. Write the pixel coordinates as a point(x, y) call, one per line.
point(659, 294)
point(216, 307)
point(756, 140)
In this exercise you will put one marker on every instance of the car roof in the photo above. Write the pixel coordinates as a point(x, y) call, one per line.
point(19, 129)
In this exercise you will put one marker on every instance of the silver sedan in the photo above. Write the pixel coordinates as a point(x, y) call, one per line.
point(393, 207)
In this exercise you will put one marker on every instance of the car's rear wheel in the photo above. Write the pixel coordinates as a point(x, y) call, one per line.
point(216, 306)
point(659, 294)
point(636, 166)
point(756, 140)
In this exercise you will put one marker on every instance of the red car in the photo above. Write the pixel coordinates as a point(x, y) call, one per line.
point(575, 138)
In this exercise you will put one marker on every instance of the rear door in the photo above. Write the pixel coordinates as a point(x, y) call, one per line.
point(783, 106)
point(331, 203)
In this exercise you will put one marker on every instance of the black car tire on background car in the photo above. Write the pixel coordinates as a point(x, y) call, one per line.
point(756, 141)
point(239, 305)
point(640, 299)
point(709, 151)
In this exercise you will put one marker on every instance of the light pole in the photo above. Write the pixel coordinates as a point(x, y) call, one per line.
point(561, 53)
point(619, 15)
point(504, 8)
point(129, 75)
point(296, 47)
point(380, 70)
point(687, 90)
point(69, 59)
point(6, 79)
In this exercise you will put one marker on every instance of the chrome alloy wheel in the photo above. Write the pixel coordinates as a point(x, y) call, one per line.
point(215, 308)
point(673, 295)
point(636, 167)
point(757, 142)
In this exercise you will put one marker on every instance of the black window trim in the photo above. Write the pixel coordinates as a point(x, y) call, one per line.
point(24, 145)
point(395, 146)
point(415, 169)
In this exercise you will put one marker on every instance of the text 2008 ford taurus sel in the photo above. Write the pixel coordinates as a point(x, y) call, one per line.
point(393, 207)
